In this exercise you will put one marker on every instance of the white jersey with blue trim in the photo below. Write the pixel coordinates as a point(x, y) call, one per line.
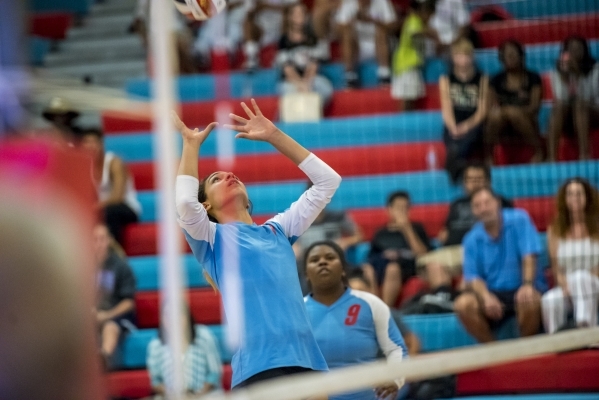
point(355, 329)
point(276, 330)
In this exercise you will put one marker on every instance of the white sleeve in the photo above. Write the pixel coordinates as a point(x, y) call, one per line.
point(388, 336)
point(346, 12)
point(192, 216)
point(304, 211)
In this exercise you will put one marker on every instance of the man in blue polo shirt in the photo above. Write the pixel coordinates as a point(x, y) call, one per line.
point(500, 270)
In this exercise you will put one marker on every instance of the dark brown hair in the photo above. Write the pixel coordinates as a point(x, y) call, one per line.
point(202, 197)
point(561, 223)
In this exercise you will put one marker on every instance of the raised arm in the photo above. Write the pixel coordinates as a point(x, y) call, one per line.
point(325, 180)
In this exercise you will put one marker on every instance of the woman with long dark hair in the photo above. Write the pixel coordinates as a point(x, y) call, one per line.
point(274, 332)
point(573, 241)
point(575, 85)
point(350, 326)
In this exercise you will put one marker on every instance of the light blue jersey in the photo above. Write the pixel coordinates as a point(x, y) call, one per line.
point(274, 330)
point(356, 329)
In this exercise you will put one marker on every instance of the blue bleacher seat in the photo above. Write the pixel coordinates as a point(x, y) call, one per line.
point(132, 350)
point(38, 48)
point(428, 187)
point(146, 271)
point(526, 9)
point(78, 7)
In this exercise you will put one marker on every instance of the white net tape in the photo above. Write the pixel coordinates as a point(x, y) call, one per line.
point(425, 366)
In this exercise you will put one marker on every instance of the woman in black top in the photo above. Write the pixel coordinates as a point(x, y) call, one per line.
point(298, 56)
point(464, 108)
point(515, 96)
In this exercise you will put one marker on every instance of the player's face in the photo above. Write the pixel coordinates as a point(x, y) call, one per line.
point(485, 207)
point(575, 197)
point(474, 179)
point(222, 188)
point(323, 267)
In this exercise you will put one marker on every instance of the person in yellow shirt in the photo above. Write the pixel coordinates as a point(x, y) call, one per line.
point(408, 84)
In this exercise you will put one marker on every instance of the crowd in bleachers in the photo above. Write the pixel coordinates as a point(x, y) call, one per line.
point(484, 261)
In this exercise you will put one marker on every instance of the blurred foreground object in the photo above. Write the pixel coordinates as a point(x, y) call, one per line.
point(47, 335)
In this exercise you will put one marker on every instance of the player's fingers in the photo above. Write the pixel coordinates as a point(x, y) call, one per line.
point(238, 128)
point(238, 118)
point(256, 108)
point(210, 127)
point(247, 110)
point(242, 135)
point(177, 121)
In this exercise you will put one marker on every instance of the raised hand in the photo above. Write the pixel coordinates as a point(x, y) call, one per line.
point(257, 127)
point(194, 137)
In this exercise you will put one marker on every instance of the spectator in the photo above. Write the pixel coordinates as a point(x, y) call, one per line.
point(62, 116)
point(115, 311)
point(500, 270)
point(365, 27)
point(357, 281)
point(573, 241)
point(298, 56)
point(262, 27)
point(408, 83)
point(323, 17)
point(464, 108)
point(451, 21)
point(202, 365)
point(117, 195)
point(394, 249)
point(575, 85)
point(350, 326)
point(515, 95)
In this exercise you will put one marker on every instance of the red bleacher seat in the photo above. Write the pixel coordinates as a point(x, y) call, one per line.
point(51, 25)
point(545, 30)
point(348, 161)
point(568, 147)
point(565, 372)
point(128, 384)
point(204, 305)
point(540, 209)
point(136, 384)
point(140, 239)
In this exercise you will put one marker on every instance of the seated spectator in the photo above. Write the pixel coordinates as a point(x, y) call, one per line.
point(262, 27)
point(365, 27)
point(464, 108)
point(500, 270)
point(394, 248)
point(298, 56)
point(515, 95)
point(573, 241)
point(117, 195)
point(202, 365)
point(451, 21)
point(323, 20)
point(115, 311)
point(350, 326)
point(575, 86)
point(62, 116)
point(408, 59)
point(357, 281)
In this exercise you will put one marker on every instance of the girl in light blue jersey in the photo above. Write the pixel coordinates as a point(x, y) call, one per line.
point(275, 338)
point(351, 326)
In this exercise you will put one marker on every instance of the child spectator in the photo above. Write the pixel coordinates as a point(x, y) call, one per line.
point(515, 95)
point(573, 241)
point(408, 83)
point(464, 108)
point(575, 85)
point(202, 365)
point(117, 195)
point(365, 27)
point(299, 55)
point(262, 27)
point(500, 270)
point(115, 311)
point(394, 249)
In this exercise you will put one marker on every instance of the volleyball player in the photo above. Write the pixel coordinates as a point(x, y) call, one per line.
point(351, 326)
point(214, 213)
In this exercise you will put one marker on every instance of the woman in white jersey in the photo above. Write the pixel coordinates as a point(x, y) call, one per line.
point(351, 326)
point(252, 265)
point(116, 192)
point(573, 241)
